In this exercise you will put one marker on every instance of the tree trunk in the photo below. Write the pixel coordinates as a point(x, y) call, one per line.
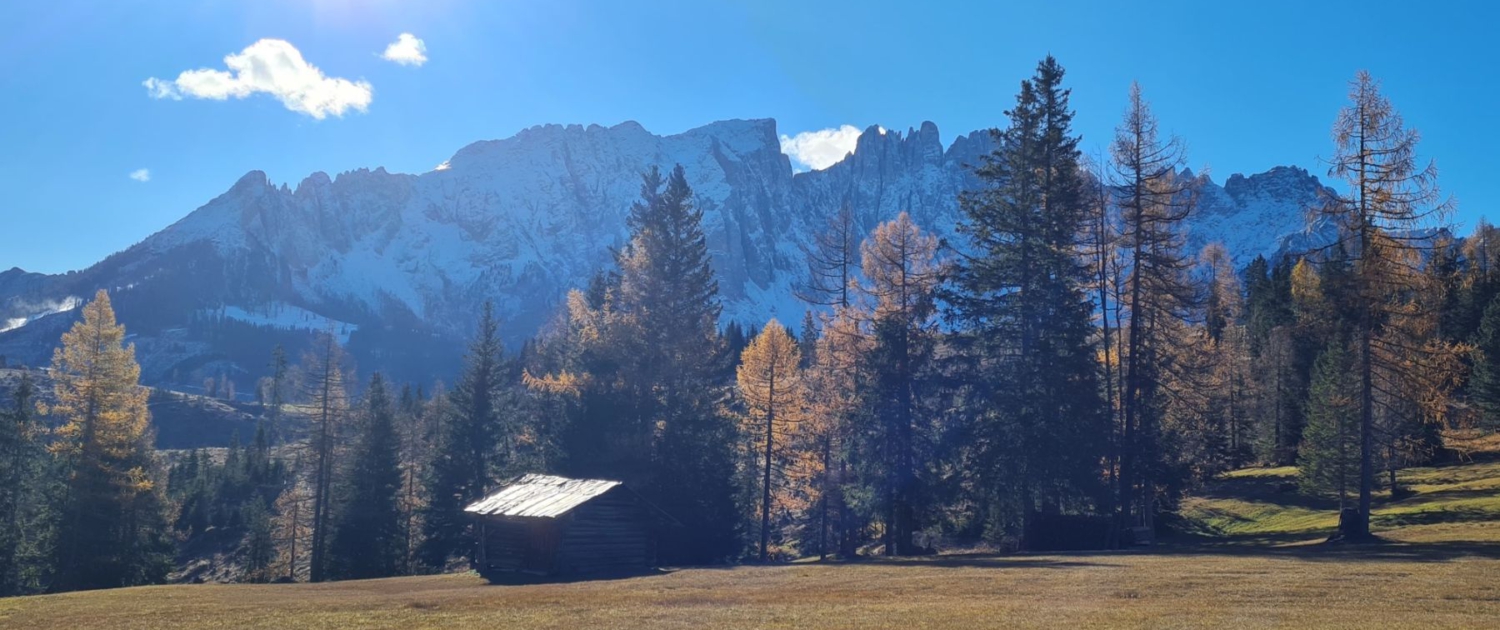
point(765, 496)
point(823, 501)
point(1359, 526)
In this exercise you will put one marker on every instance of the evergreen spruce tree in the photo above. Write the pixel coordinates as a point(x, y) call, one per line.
point(1328, 461)
point(367, 540)
point(1481, 279)
point(1484, 386)
point(807, 338)
point(1024, 312)
point(668, 293)
point(463, 465)
point(259, 544)
point(25, 486)
point(640, 368)
point(110, 530)
point(415, 430)
point(275, 397)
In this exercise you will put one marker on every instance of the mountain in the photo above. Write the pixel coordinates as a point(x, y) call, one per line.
point(397, 264)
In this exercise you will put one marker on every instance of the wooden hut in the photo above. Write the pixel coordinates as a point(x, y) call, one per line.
point(549, 525)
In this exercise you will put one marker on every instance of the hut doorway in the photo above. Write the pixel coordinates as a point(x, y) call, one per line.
point(541, 550)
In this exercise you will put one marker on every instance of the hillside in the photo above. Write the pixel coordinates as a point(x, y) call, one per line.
point(1253, 561)
point(181, 421)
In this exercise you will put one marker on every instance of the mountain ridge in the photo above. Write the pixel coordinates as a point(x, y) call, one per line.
point(399, 257)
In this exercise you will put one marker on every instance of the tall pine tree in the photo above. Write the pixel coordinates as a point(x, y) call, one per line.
point(25, 486)
point(464, 463)
point(668, 291)
point(1025, 316)
point(368, 541)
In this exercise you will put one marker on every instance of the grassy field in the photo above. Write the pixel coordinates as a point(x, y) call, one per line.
point(1254, 563)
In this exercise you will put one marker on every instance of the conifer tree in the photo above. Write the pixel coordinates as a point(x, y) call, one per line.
point(1210, 409)
point(770, 382)
point(833, 271)
point(415, 412)
point(819, 435)
point(25, 530)
point(1154, 202)
point(275, 396)
point(901, 266)
point(1480, 282)
point(835, 398)
point(110, 531)
point(367, 540)
point(667, 294)
point(259, 545)
point(292, 527)
point(1108, 288)
point(807, 338)
point(1391, 198)
point(1022, 303)
point(641, 366)
point(327, 398)
point(1328, 460)
point(465, 462)
point(1485, 384)
point(832, 261)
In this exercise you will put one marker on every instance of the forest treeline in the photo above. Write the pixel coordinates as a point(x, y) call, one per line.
point(1057, 376)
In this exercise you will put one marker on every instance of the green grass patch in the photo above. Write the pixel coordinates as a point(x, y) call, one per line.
point(1262, 505)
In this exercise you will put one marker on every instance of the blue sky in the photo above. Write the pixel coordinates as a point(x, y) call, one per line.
point(1247, 85)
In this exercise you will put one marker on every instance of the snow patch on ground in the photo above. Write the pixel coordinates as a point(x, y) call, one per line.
point(289, 317)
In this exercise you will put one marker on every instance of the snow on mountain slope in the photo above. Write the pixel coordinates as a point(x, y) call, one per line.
point(522, 220)
point(1255, 215)
point(288, 317)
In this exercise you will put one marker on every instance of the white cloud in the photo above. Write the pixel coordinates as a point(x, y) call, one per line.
point(820, 149)
point(141, 175)
point(270, 66)
point(407, 50)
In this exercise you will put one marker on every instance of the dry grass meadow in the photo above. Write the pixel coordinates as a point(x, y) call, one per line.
point(1255, 563)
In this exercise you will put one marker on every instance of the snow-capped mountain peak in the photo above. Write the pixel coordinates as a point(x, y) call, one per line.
point(521, 220)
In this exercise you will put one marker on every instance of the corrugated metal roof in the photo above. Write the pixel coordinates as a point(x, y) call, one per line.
point(540, 496)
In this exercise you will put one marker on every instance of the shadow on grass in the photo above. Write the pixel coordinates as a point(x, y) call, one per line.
point(1443, 495)
point(1290, 546)
point(992, 561)
point(1273, 490)
point(1433, 517)
point(1303, 547)
point(529, 579)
